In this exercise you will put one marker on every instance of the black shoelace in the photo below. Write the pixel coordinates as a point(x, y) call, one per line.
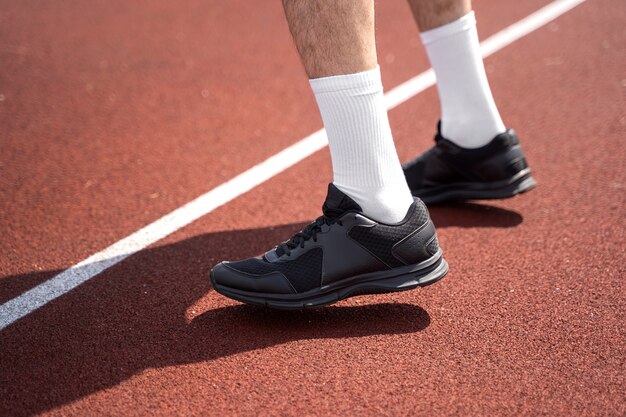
point(329, 217)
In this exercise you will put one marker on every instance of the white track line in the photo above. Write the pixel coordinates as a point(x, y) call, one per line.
point(31, 300)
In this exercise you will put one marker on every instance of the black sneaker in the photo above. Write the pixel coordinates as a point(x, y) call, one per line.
point(341, 254)
point(448, 172)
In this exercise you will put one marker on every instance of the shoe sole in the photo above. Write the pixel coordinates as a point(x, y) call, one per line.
point(394, 280)
point(519, 184)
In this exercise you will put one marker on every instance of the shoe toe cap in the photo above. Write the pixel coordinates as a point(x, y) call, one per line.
point(226, 275)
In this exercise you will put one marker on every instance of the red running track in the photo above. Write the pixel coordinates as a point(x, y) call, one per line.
point(115, 113)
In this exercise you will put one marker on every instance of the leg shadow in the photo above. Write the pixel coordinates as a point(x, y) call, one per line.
point(132, 317)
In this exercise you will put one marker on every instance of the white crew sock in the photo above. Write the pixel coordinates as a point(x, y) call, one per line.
point(365, 163)
point(469, 116)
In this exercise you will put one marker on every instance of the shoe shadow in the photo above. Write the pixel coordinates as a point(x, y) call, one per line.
point(461, 214)
point(464, 214)
point(136, 316)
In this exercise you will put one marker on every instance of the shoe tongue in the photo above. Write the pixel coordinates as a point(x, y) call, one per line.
point(338, 203)
point(335, 205)
point(438, 136)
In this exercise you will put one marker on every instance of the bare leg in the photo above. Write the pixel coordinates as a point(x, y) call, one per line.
point(333, 36)
point(430, 14)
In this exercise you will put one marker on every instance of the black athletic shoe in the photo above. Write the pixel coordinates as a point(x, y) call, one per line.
point(448, 172)
point(341, 254)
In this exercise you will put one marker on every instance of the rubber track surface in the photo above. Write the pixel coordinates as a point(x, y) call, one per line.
point(114, 113)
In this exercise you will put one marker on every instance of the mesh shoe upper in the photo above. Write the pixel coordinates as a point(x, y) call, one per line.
point(304, 273)
point(381, 239)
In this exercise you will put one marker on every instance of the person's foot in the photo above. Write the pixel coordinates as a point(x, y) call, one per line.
point(341, 254)
point(448, 172)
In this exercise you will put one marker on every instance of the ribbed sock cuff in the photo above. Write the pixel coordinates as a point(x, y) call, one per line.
point(365, 81)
